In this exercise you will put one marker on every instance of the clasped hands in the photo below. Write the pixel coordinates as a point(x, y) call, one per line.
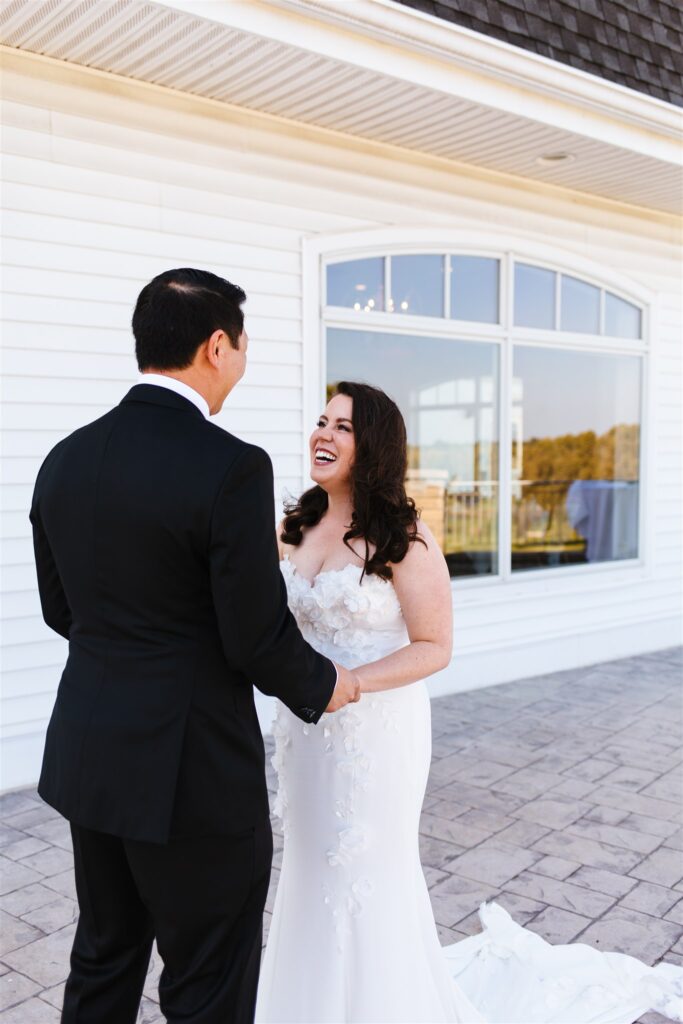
point(347, 690)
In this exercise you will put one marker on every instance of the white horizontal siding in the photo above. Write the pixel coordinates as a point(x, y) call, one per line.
point(69, 284)
point(19, 417)
point(179, 249)
point(93, 392)
point(19, 603)
point(85, 261)
point(101, 194)
point(75, 367)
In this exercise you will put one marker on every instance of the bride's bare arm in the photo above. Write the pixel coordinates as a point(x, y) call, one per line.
point(423, 587)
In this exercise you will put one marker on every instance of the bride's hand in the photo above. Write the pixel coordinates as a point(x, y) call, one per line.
point(347, 690)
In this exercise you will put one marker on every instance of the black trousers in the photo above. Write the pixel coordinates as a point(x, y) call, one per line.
point(201, 898)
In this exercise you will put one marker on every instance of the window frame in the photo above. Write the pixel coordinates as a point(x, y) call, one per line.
point(320, 251)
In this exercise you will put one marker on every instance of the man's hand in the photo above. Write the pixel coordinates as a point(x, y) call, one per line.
point(347, 690)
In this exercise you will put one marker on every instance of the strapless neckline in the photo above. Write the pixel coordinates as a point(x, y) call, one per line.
point(322, 572)
point(347, 616)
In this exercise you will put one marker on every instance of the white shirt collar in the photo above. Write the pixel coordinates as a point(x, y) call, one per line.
point(180, 387)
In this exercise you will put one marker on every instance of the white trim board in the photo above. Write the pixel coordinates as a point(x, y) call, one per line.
point(455, 59)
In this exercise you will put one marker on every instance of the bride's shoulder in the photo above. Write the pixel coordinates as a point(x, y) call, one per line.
point(423, 541)
point(422, 582)
point(424, 553)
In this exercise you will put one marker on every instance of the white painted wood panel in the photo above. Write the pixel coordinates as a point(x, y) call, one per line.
point(144, 239)
point(87, 261)
point(96, 204)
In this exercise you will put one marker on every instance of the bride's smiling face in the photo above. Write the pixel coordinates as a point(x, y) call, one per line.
point(332, 444)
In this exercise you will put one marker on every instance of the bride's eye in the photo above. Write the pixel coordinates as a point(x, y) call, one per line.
point(323, 423)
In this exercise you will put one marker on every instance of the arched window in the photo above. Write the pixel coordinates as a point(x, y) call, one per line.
point(521, 386)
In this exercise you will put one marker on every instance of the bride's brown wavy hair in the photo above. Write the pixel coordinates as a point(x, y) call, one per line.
point(383, 514)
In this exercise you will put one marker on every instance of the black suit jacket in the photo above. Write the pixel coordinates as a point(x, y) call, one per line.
point(156, 554)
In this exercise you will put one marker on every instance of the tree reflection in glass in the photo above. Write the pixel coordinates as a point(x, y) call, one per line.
point(575, 457)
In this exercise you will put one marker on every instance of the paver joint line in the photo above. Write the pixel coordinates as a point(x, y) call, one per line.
point(555, 796)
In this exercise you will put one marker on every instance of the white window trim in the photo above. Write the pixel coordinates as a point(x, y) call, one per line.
point(386, 241)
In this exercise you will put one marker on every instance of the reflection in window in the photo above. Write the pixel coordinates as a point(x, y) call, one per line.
point(579, 306)
point(622, 319)
point(474, 289)
point(357, 284)
point(416, 285)
point(534, 296)
point(575, 456)
point(447, 392)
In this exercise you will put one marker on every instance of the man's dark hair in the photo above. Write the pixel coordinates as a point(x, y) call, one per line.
point(178, 310)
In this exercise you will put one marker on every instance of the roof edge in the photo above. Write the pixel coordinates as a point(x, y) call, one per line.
point(388, 21)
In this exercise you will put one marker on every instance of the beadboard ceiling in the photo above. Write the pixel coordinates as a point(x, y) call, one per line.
point(175, 48)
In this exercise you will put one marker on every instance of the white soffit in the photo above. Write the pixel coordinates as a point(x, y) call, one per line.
point(349, 66)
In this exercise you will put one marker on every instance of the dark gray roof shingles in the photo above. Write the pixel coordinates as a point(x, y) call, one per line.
point(637, 43)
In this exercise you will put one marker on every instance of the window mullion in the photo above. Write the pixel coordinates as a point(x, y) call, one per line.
point(505, 425)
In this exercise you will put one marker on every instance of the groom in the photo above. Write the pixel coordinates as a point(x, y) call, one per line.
point(156, 555)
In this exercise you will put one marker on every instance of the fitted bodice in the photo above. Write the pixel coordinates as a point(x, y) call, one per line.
point(344, 619)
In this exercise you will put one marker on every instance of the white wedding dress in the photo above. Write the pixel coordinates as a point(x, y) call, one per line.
point(353, 937)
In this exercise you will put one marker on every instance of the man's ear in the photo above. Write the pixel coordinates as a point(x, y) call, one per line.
point(214, 343)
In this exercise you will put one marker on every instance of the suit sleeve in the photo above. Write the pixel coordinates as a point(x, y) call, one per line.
point(260, 636)
point(54, 604)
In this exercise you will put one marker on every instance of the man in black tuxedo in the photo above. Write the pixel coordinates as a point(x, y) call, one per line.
point(157, 559)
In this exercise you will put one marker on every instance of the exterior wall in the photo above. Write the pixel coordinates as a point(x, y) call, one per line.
point(108, 182)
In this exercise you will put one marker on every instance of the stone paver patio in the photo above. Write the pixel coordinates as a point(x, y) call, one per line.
point(561, 797)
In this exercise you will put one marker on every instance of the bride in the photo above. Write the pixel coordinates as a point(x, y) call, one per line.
point(353, 938)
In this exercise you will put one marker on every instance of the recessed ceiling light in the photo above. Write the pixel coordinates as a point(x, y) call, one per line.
point(550, 159)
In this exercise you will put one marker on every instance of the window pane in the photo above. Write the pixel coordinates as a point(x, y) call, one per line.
point(358, 284)
point(447, 391)
point(416, 285)
point(474, 289)
point(575, 457)
point(622, 319)
point(580, 306)
point(534, 296)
